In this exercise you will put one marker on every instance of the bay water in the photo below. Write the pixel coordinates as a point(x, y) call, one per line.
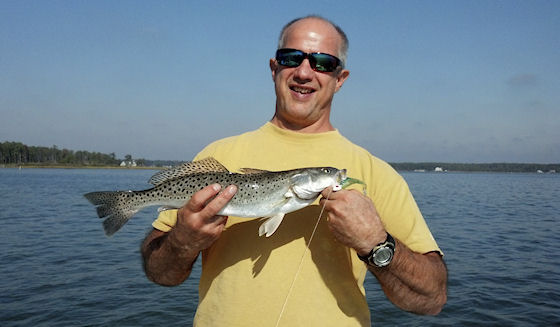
point(499, 232)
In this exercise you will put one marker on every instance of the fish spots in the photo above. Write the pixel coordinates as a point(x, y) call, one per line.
point(260, 193)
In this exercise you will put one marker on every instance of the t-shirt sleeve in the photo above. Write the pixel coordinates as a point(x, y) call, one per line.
point(400, 214)
point(165, 220)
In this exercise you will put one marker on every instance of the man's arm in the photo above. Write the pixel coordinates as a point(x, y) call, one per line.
point(413, 281)
point(169, 257)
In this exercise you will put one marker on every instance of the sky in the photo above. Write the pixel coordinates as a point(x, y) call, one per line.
point(446, 81)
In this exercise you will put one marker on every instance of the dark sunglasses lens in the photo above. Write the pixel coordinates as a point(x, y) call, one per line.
point(320, 62)
point(324, 62)
point(289, 58)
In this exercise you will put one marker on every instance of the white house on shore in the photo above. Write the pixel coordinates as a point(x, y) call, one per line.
point(128, 163)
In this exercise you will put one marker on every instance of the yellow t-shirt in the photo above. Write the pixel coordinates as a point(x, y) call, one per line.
point(246, 278)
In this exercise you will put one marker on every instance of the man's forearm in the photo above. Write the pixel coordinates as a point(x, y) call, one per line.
point(169, 257)
point(414, 282)
point(165, 262)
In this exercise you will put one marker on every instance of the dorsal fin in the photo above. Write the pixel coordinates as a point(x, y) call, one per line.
point(248, 171)
point(206, 165)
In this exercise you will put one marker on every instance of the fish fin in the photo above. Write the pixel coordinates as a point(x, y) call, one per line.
point(117, 220)
point(289, 194)
point(271, 225)
point(165, 208)
point(248, 171)
point(113, 207)
point(206, 165)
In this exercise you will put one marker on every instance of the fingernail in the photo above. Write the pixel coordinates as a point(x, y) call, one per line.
point(231, 189)
point(216, 187)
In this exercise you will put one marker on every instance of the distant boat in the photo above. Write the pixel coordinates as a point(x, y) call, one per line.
point(438, 169)
point(539, 171)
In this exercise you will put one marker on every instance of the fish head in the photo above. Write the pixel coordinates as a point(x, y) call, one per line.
point(311, 181)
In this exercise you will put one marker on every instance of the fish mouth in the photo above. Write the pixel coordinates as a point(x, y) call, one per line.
point(342, 175)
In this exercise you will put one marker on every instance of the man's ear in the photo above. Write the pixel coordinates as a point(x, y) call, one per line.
point(341, 78)
point(273, 67)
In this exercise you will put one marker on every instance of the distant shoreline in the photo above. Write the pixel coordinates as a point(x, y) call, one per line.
point(17, 154)
point(405, 166)
point(28, 166)
point(477, 167)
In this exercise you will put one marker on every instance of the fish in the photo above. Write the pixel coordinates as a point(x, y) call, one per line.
point(260, 193)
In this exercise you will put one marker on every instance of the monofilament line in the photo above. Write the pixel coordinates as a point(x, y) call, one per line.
point(301, 261)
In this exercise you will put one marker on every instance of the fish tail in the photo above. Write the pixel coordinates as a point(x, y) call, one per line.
point(115, 207)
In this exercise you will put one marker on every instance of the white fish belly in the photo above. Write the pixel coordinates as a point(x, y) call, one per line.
point(265, 209)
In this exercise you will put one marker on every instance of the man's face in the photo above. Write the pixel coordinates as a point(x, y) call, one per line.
point(304, 96)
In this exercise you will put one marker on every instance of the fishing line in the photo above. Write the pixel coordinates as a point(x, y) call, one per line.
point(302, 258)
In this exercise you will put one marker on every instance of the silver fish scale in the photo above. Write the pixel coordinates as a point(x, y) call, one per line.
point(250, 190)
point(259, 186)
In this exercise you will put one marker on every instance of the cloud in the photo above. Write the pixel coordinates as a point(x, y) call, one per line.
point(523, 80)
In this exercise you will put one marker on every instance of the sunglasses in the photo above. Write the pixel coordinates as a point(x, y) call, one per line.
point(319, 62)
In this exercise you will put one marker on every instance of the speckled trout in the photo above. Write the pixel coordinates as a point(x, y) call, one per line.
point(260, 193)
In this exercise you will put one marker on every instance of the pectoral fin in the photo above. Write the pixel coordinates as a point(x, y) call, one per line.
point(271, 225)
point(164, 208)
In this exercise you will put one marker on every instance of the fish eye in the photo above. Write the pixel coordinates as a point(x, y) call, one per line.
point(326, 170)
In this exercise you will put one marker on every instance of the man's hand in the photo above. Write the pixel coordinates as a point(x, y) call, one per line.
point(413, 281)
point(168, 257)
point(353, 219)
point(198, 225)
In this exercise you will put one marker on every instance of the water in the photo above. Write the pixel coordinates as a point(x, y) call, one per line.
point(499, 233)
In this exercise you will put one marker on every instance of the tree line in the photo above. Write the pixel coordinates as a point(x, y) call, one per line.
point(17, 153)
point(478, 167)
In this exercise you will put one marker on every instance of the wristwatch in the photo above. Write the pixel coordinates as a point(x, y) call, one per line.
point(382, 253)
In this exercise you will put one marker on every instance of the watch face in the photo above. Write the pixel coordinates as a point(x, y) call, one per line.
point(383, 256)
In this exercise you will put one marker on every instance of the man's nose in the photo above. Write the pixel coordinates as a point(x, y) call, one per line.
point(304, 71)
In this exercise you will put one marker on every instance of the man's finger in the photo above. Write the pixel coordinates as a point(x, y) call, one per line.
point(220, 201)
point(200, 198)
point(326, 192)
point(218, 220)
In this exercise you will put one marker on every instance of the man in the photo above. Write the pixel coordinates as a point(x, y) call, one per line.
point(245, 278)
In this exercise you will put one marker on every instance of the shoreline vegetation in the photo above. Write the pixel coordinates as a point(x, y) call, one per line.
point(420, 167)
point(19, 155)
point(61, 166)
point(502, 167)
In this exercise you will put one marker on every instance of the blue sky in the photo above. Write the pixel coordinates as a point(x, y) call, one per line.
point(451, 81)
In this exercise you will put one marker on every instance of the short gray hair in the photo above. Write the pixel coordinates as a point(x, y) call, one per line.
point(343, 49)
